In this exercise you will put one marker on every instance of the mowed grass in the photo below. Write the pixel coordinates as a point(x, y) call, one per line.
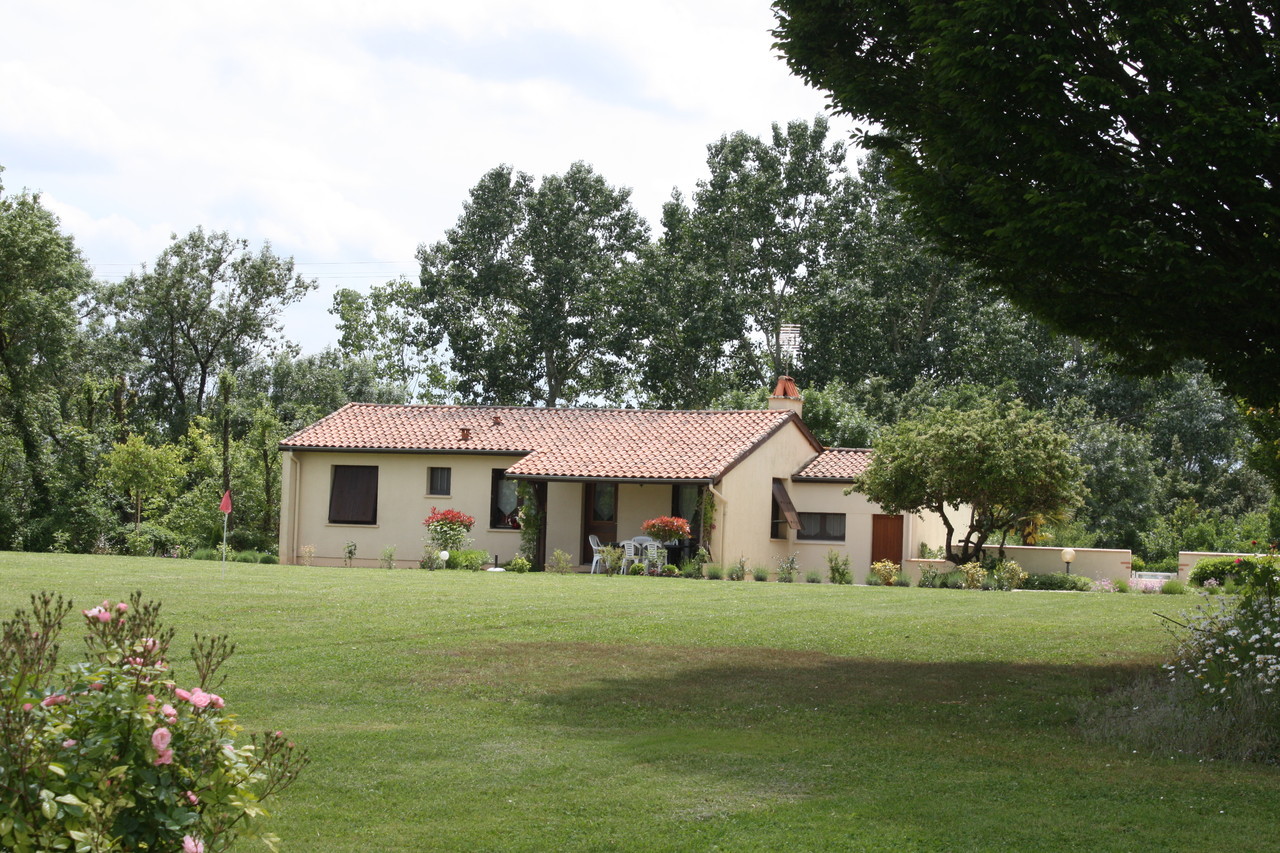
point(461, 711)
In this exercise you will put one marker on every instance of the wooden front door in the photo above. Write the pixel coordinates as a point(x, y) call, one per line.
point(886, 538)
point(599, 515)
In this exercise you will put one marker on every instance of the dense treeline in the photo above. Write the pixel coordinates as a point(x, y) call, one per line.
point(126, 410)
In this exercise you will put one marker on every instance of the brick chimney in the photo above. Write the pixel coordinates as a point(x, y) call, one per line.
point(787, 396)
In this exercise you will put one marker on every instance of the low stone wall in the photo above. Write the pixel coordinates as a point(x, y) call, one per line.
point(1097, 563)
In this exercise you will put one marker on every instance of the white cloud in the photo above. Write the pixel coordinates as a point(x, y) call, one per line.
point(352, 132)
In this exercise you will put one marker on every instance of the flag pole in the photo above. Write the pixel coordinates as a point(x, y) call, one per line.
point(225, 509)
point(225, 516)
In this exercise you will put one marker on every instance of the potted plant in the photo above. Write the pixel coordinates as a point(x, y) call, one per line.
point(667, 529)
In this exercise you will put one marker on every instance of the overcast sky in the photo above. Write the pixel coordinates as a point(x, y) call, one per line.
point(347, 133)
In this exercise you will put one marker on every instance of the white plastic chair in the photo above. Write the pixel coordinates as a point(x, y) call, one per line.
point(630, 554)
point(596, 557)
point(654, 554)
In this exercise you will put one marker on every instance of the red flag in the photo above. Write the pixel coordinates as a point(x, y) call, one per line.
point(226, 502)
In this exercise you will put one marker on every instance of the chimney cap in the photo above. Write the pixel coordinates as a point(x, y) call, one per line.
point(786, 387)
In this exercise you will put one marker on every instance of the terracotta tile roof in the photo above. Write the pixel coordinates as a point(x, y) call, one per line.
point(557, 443)
point(836, 463)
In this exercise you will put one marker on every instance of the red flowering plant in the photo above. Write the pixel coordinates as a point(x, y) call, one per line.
point(447, 529)
point(667, 528)
point(110, 753)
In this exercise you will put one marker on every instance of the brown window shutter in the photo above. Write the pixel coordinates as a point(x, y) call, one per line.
point(784, 503)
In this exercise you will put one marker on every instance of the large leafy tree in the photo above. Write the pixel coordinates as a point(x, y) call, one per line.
point(764, 226)
point(986, 471)
point(531, 288)
point(42, 280)
point(1112, 165)
point(208, 304)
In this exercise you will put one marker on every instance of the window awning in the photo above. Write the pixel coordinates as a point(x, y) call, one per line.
point(784, 503)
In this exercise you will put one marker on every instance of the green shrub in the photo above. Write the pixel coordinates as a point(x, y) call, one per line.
point(1138, 564)
point(886, 571)
point(929, 575)
point(247, 557)
point(670, 571)
point(1173, 587)
point(691, 569)
point(873, 579)
point(269, 559)
point(902, 580)
point(387, 559)
point(1168, 565)
point(787, 569)
point(205, 554)
point(812, 577)
point(1008, 575)
point(472, 559)
point(714, 573)
point(520, 565)
point(1059, 581)
point(759, 573)
point(739, 571)
point(974, 574)
point(838, 568)
point(1122, 585)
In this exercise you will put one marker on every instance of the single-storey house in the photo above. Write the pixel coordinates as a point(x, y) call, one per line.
point(756, 485)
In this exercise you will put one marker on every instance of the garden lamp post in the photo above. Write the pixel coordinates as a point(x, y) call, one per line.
point(1068, 555)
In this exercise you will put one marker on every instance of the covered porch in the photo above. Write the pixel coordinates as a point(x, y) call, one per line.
point(570, 511)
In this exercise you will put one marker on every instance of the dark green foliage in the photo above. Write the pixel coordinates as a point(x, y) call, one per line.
point(714, 573)
point(1076, 152)
point(533, 287)
point(248, 557)
point(1058, 581)
point(269, 559)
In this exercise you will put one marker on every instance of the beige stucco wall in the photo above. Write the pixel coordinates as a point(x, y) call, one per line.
point(742, 514)
point(564, 519)
point(403, 503)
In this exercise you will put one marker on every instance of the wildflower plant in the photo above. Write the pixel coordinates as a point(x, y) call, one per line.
point(974, 575)
point(1008, 575)
point(1229, 652)
point(111, 754)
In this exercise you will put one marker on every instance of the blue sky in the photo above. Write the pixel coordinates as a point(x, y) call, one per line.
point(347, 134)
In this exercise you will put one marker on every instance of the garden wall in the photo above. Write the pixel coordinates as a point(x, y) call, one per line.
point(1097, 563)
point(1187, 560)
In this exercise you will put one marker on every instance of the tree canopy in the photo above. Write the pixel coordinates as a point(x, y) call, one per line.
point(1000, 465)
point(530, 287)
point(1112, 165)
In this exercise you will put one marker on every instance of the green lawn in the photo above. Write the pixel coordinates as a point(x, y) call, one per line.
point(460, 711)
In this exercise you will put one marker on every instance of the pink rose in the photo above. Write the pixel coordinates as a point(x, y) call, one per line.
point(160, 738)
point(104, 616)
point(55, 699)
point(216, 701)
point(122, 607)
point(182, 694)
point(190, 844)
point(68, 743)
point(165, 757)
point(199, 698)
point(170, 712)
point(27, 706)
point(193, 799)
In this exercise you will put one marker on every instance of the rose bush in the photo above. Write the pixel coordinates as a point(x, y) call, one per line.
point(111, 754)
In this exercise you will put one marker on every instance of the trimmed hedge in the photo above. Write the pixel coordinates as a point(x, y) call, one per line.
point(1059, 581)
point(1221, 569)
